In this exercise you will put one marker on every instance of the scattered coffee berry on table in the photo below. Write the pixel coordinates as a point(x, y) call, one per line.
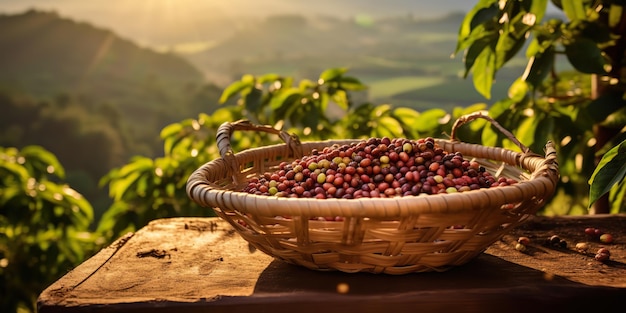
point(556, 241)
point(582, 247)
point(603, 255)
point(524, 240)
point(598, 234)
point(606, 238)
point(593, 232)
point(520, 247)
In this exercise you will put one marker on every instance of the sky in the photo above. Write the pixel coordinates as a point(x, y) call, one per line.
point(197, 24)
point(168, 22)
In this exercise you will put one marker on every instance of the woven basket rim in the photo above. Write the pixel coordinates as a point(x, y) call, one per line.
point(542, 183)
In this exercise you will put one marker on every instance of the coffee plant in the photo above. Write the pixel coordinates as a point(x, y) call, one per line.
point(583, 110)
point(146, 189)
point(44, 225)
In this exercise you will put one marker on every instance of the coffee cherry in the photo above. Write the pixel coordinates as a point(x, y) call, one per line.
point(606, 238)
point(376, 167)
point(524, 240)
point(556, 241)
point(407, 147)
point(582, 247)
point(598, 232)
point(603, 255)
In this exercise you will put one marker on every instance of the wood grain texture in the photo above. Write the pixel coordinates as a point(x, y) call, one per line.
point(202, 264)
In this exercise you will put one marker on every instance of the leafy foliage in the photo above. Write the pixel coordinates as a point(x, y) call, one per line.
point(581, 110)
point(43, 225)
point(147, 189)
point(610, 176)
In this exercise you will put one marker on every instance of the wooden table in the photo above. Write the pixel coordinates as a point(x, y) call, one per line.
point(202, 265)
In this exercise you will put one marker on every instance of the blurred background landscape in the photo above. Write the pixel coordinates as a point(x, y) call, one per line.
point(95, 81)
point(106, 107)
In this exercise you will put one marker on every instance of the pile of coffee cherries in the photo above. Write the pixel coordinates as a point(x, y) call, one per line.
point(375, 168)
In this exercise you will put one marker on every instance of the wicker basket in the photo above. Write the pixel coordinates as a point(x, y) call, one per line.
point(380, 235)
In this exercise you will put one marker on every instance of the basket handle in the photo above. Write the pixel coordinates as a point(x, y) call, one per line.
point(225, 131)
point(475, 115)
point(549, 166)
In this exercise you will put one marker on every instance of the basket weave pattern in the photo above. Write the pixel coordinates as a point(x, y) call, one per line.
point(379, 235)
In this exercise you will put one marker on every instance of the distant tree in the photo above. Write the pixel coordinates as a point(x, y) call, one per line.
point(584, 112)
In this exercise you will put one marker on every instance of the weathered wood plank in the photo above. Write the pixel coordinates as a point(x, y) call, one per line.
point(197, 264)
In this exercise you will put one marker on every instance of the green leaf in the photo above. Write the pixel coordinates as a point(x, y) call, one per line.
point(539, 67)
point(139, 164)
point(234, 89)
point(306, 84)
point(142, 185)
point(544, 131)
point(18, 171)
point(610, 171)
point(586, 57)
point(224, 114)
point(474, 52)
point(618, 198)
point(518, 90)
point(484, 72)
point(9, 193)
point(120, 187)
point(507, 47)
point(171, 130)
point(389, 127)
point(324, 98)
point(512, 35)
point(474, 18)
point(408, 116)
point(46, 157)
point(352, 83)
point(380, 110)
point(112, 216)
point(574, 9)
point(267, 78)
point(170, 144)
point(538, 8)
point(170, 190)
point(341, 99)
point(429, 120)
point(252, 99)
point(487, 12)
point(332, 74)
point(615, 14)
point(526, 131)
point(285, 97)
point(533, 48)
point(489, 137)
point(608, 103)
point(500, 107)
point(311, 120)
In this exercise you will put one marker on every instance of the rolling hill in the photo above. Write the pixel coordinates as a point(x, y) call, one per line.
point(91, 97)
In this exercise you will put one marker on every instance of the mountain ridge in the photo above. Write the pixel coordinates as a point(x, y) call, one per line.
point(63, 52)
